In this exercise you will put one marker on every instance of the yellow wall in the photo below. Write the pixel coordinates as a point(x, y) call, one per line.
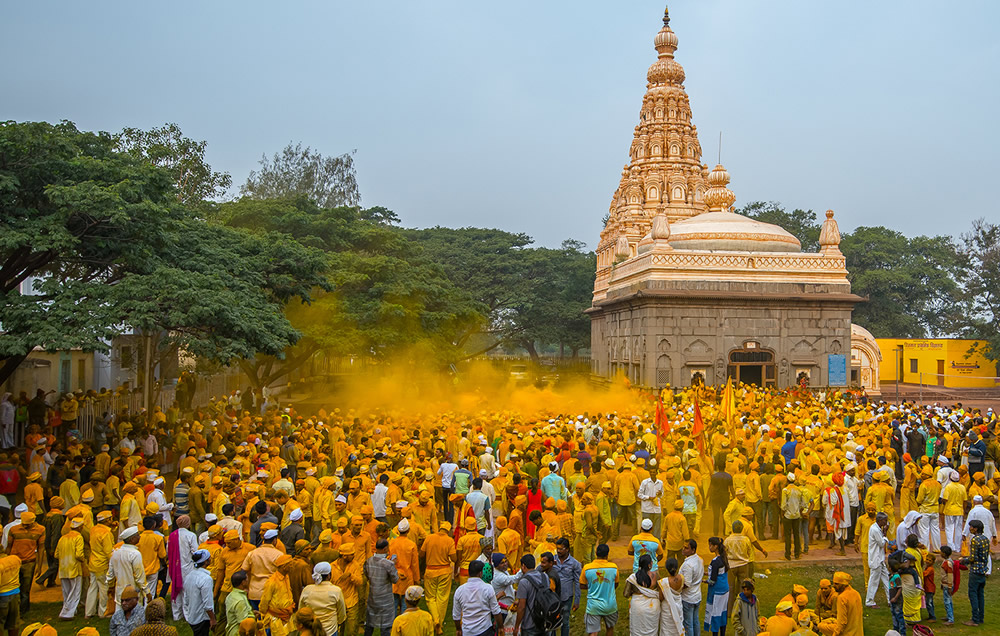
point(974, 371)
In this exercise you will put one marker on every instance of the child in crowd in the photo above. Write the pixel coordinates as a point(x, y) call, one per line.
point(929, 587)
point(950, 581)
point(896, 597)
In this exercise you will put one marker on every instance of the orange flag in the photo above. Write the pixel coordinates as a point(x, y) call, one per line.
point(698, 430)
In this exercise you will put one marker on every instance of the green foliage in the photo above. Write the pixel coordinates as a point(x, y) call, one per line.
point(382, 296)
point(329, 182)
point(980, 257)
point(531, 295)
point(110, 246)
point(801, 224)
point(184, 158)
point(909, 282)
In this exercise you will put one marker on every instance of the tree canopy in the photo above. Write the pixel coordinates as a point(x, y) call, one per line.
point(109, 244)
point(299, 171)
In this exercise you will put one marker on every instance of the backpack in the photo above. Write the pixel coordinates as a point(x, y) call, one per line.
point(546, 609)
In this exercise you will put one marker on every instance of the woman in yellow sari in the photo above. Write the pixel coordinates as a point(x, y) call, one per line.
point(276, 603)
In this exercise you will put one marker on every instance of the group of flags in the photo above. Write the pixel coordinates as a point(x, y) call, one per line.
point(727, 412)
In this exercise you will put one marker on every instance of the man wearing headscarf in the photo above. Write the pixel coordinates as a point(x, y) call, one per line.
point(181, 545)
point(849, 620)
point(347, 574)
point(128, 615)
point(325, 599)
point(837, 511)
point(156, 614)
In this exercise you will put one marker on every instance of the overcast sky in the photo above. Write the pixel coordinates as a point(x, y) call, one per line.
point(519, 115)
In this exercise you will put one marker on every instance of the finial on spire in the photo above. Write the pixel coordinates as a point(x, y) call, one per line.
point(829, 236)
point(666, 16)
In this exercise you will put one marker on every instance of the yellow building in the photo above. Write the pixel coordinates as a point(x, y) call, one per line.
point(941, 361)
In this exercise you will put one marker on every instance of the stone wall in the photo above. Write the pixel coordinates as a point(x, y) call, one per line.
point(687, 328)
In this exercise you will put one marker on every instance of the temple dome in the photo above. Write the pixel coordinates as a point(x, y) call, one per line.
point(730, 232)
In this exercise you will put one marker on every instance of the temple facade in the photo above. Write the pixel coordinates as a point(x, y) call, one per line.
point(688, 290)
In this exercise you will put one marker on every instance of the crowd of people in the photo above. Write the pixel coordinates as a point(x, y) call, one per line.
point(266, 520)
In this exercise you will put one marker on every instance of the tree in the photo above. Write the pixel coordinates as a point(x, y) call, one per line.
point(382, 297)
point(166, 147)
point(330, 182)
point(531, 296)
point(979, 255)
point(801, 224)
point(110, 247)
point(909, 282)
point(75, 217)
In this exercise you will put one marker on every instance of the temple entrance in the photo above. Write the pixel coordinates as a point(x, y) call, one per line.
point(752, 365)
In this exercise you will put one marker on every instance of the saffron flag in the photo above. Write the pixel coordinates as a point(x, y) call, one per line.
point(662, 426)
point(729, 407)
point(698, 430)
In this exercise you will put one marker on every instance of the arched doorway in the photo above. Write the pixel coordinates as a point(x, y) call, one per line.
point(753, 365)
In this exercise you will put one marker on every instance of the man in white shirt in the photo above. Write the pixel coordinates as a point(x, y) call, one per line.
point(693, 571)
point(487, 461)
point(199, 604)
point(378, 497)
point(447, 471)
point(474, 607)
point(853, 496)
point(877, 564)
point(18, 509)
point(488, 488)
point(650, 491)
point(156, 496)
point(980, 512)
point(125, 566)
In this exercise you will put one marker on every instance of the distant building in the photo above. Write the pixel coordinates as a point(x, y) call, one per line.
point(937, 361)
point(688, 291)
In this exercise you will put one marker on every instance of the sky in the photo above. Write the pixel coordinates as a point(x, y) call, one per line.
point(519, 115)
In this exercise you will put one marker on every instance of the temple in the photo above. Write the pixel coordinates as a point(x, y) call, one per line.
point(689, 291)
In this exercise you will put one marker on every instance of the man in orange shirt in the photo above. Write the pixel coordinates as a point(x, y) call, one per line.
point(440, 556)
point(346, 573)
point(233, 554)
point(25, 541)
point(407, 563)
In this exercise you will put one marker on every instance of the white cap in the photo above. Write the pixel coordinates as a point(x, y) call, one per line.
point(791, 477)
point(131, 531)
point(610, 463)
point(647, 524)
point(553, 465)
point(158, 481)
point(295, 515)
point(977, 499)
point(211, 517)
point(341, 499)
point(200, 556)
point(849, 455)
point(270, 534)
point(404, 526)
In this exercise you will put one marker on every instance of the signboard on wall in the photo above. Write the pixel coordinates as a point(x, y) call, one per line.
point(837, 366)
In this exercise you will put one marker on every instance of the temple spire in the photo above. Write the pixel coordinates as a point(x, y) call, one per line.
point(664, 173)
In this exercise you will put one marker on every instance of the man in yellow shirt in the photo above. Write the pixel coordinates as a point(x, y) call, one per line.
point(69, 551)
point(782, 623)
point(675, 531)
point(440, 557)
point(626, 490)
point(928, 505)
point(10, 569)
point(414, 621)
point(233, 553)
point(508, 541)
point(346, 573)
point(954, 497)
point(153, 550)
point(850, 613)
point(102, 541)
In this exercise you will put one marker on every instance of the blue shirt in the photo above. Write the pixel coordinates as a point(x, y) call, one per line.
point(569, 578)
point(554, 486)
point(600, 577)
point(641, 545)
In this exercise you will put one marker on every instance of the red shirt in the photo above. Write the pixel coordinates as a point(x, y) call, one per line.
point(929, 586)
point(953, 570)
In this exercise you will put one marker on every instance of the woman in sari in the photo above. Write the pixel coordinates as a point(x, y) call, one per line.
point(717, 601)
point(535, 496)
point(644, 600)
point(276, 602)
point(671, 608)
